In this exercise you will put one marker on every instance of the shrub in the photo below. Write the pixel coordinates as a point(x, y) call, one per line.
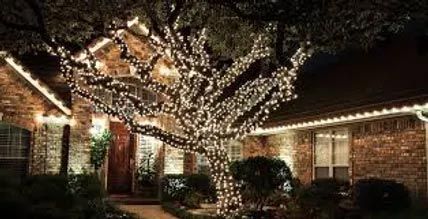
point(99, 146)
point(320, 199)
point(174, 187)
point(202, 184)
point(377, 195)
point(55, 197)
point(261, 178)
point(189, 190)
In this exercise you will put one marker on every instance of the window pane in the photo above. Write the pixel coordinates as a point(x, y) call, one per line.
point(341, 173)
point(340, 148)
point(234, 150)
point(321, 172)
point(322, 148)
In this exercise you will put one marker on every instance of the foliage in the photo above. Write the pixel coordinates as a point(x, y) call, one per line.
point(330, 25)
point(411, 213)
point(229, 104)
point(146, 171)
point(99, 146)
point(322, 197)
point(261, 179)
point(201, 184)
point(56, 197)
point(174, 187)
point(228, 22)
point(189, 190)
point(381, 195)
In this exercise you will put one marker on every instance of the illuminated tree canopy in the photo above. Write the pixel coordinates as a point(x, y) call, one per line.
point(211, 101)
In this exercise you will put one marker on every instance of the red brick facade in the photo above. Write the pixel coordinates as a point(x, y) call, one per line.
point(21, 103)
point(393, 149)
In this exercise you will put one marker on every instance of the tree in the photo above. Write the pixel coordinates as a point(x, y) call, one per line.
point(212, 101)
point(261, 178)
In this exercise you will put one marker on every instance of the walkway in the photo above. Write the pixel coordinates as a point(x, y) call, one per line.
point(147, 211)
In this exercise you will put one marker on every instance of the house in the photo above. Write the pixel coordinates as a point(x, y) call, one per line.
point(362, 116)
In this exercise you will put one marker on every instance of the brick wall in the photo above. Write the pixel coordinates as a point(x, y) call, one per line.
point(258, 146)
point(47, 149)
point(80, 137)
point(20, 103)
point(189, 164)
point(391, 149)
point(303, 156)
point(285, 145)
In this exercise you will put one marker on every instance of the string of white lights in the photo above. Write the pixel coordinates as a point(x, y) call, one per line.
point(206, 119)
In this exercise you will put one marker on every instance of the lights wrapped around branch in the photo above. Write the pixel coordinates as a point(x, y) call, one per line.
point(205, 120)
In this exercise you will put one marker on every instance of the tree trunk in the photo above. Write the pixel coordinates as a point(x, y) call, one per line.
point(229, 200)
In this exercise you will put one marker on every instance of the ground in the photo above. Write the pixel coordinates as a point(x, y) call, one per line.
point(147, 211)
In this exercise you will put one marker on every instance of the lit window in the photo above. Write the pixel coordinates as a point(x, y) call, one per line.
point(331, 154)
point(202, 164)
point(234, 150)
point(174, 160)
point(148, 149)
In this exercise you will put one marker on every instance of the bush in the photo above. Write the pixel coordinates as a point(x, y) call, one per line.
point(381, 195)
point(261, 179)
point(201, 184)
point(318, 200)
point(174, 187)
point(99, 146)
point(55, 197)
point(189, 190)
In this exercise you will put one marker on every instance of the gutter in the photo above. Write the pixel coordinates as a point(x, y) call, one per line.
point(362, 116)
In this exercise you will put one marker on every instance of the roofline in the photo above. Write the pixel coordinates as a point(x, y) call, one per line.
point(104, 41)
point(39, 85)
point(345, 119)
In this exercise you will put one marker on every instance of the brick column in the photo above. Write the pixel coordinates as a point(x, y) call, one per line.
point(80, 137)
point(189, 165)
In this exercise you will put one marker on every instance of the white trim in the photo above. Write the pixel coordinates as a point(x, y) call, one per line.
point(45, 90)
point(426, 150)
point(421, 116)
point(386, 112)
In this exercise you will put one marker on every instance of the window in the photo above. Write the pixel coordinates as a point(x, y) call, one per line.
point(174, 160)
point(148, 150)
point(202, 164)
point(331, 154)
point(14, 149)
point(234, 150)
point(145, 95)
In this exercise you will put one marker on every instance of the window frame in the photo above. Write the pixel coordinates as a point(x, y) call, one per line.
point(17, 151)
point(331, 166)
point(229, 148)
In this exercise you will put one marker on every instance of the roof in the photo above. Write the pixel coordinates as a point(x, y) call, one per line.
point(394, 75)
point(38, 84)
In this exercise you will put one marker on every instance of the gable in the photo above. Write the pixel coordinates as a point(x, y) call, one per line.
point(20, 103)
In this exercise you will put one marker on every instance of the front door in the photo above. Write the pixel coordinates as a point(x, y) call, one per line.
point(120, 160)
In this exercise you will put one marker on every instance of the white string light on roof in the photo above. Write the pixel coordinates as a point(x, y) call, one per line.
point(417, 109)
